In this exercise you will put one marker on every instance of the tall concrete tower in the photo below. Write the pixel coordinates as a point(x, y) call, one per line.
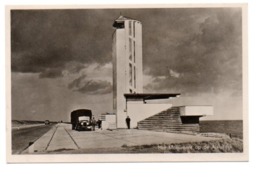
point(127, 64)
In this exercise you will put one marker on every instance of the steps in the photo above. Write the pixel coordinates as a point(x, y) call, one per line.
point(167, 121)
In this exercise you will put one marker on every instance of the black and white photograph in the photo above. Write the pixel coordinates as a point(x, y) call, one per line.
point(137, 83)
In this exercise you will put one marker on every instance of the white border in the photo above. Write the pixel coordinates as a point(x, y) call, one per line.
point(128, 157)
point(214, 171)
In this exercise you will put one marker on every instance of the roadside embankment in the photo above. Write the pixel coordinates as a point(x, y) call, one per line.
point(227, 145)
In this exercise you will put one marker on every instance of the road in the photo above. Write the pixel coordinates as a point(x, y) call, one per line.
point(22, 137)
point(61, 139)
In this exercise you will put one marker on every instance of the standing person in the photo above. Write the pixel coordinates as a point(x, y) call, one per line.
point(93, 123)
point(99, 123)
point(128, 122)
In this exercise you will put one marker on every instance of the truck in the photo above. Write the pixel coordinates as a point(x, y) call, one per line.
point(81, 119)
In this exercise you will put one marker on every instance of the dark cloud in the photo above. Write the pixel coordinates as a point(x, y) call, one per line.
point(207, 58)
point(201, 45)
point(77, 82)
point(83, 85)
point(46, 39)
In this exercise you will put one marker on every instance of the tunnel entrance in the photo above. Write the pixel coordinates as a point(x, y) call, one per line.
point(190, 119)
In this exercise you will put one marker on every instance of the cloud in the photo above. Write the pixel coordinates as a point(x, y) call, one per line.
point(96, 87)
point(86, 86)
point(77, 82)
point(43, 40)
point(74, 67)
point(201, 46)
point(207, 58)
point(173, 73)
point(40, 99)
point(51, 73)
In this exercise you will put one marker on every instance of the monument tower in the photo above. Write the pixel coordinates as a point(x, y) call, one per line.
point(127, 64)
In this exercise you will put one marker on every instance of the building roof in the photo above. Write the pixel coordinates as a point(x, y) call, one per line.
point(123, 18)
point(150, 96)
point(119, 22)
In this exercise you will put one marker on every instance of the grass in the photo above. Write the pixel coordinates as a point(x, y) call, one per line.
point(231, 145)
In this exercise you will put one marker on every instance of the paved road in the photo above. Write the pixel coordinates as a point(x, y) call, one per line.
point(62, 138)
point(22, 137)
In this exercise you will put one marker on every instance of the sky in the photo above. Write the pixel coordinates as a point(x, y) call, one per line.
point(61, 60)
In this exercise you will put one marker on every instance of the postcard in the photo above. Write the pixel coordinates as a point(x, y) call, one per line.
point(150, 83)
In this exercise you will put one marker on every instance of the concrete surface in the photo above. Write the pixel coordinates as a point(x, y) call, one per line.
point(61, 137)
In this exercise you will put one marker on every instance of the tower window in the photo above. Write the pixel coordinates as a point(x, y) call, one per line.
point(130, 75)
point(134, 77)
point(130, 28)
point(134, 29)
point(134, 51)
point(130, 48)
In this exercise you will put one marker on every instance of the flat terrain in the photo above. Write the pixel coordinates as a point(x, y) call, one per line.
point(23, 136)
point(61, 139)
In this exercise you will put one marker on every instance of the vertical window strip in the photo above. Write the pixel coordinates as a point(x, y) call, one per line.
point(130, 74)
point(130, 28)
point(130, 48)
point(134, 50)
point(134, 77)
point(134, 29)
